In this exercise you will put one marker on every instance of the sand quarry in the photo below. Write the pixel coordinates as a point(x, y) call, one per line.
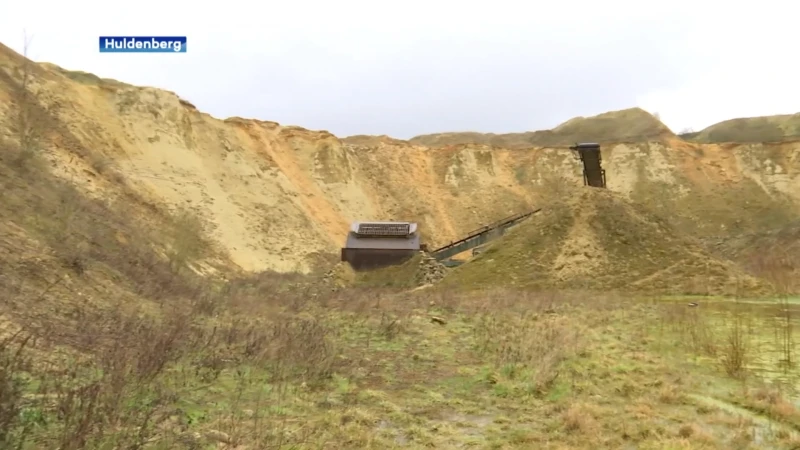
point(168, 280)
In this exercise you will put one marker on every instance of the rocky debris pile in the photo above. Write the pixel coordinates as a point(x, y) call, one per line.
point(340, 276)
point(328, 280)
point(430, 270)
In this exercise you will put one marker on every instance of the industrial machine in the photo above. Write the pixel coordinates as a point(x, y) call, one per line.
point(371, 245)
point(593, 173)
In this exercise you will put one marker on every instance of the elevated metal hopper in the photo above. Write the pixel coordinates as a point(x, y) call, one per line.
point(593, 173)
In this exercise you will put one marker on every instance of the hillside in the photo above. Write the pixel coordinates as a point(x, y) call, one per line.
point(281, 197)
point(750, 130)
point(629, 125)
point(773, 254)
point(596, 240)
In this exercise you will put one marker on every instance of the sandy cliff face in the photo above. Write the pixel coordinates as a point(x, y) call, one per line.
point(276, 196)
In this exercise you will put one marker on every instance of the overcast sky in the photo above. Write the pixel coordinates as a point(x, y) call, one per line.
point(415, 67)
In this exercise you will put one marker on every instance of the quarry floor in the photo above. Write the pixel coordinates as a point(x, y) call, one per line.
point(427, 369)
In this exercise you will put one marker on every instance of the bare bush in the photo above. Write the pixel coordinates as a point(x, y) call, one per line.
point(695, 327)
point(121, 388)
point(14, 368)
point(734, 353)
point(188, 242)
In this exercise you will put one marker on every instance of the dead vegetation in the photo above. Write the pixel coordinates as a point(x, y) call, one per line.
point(83, 234)
point(130, 372)
point(751, 343)
point(267, 371)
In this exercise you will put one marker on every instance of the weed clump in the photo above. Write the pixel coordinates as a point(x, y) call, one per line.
point(530, 346)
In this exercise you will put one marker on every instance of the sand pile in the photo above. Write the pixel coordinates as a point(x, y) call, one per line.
point(430, 270)
point(340, 276)
point(596, 239)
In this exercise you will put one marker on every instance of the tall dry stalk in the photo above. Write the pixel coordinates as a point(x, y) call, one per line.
point(28, 132)
point(778, 267)
point(786, 333)
point(735, 351)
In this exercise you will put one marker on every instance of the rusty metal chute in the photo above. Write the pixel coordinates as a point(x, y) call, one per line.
point(481, 236)
point(593, 173)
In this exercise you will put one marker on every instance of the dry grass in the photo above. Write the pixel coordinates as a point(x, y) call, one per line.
point(774, 404)
point(82, 232)
point(271, 367)
point(771, 254)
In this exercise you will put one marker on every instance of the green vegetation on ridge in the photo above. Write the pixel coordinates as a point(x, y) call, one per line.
point(751, 130)
point(627, 125)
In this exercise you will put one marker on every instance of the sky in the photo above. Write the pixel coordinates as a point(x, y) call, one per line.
point(416, 67)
